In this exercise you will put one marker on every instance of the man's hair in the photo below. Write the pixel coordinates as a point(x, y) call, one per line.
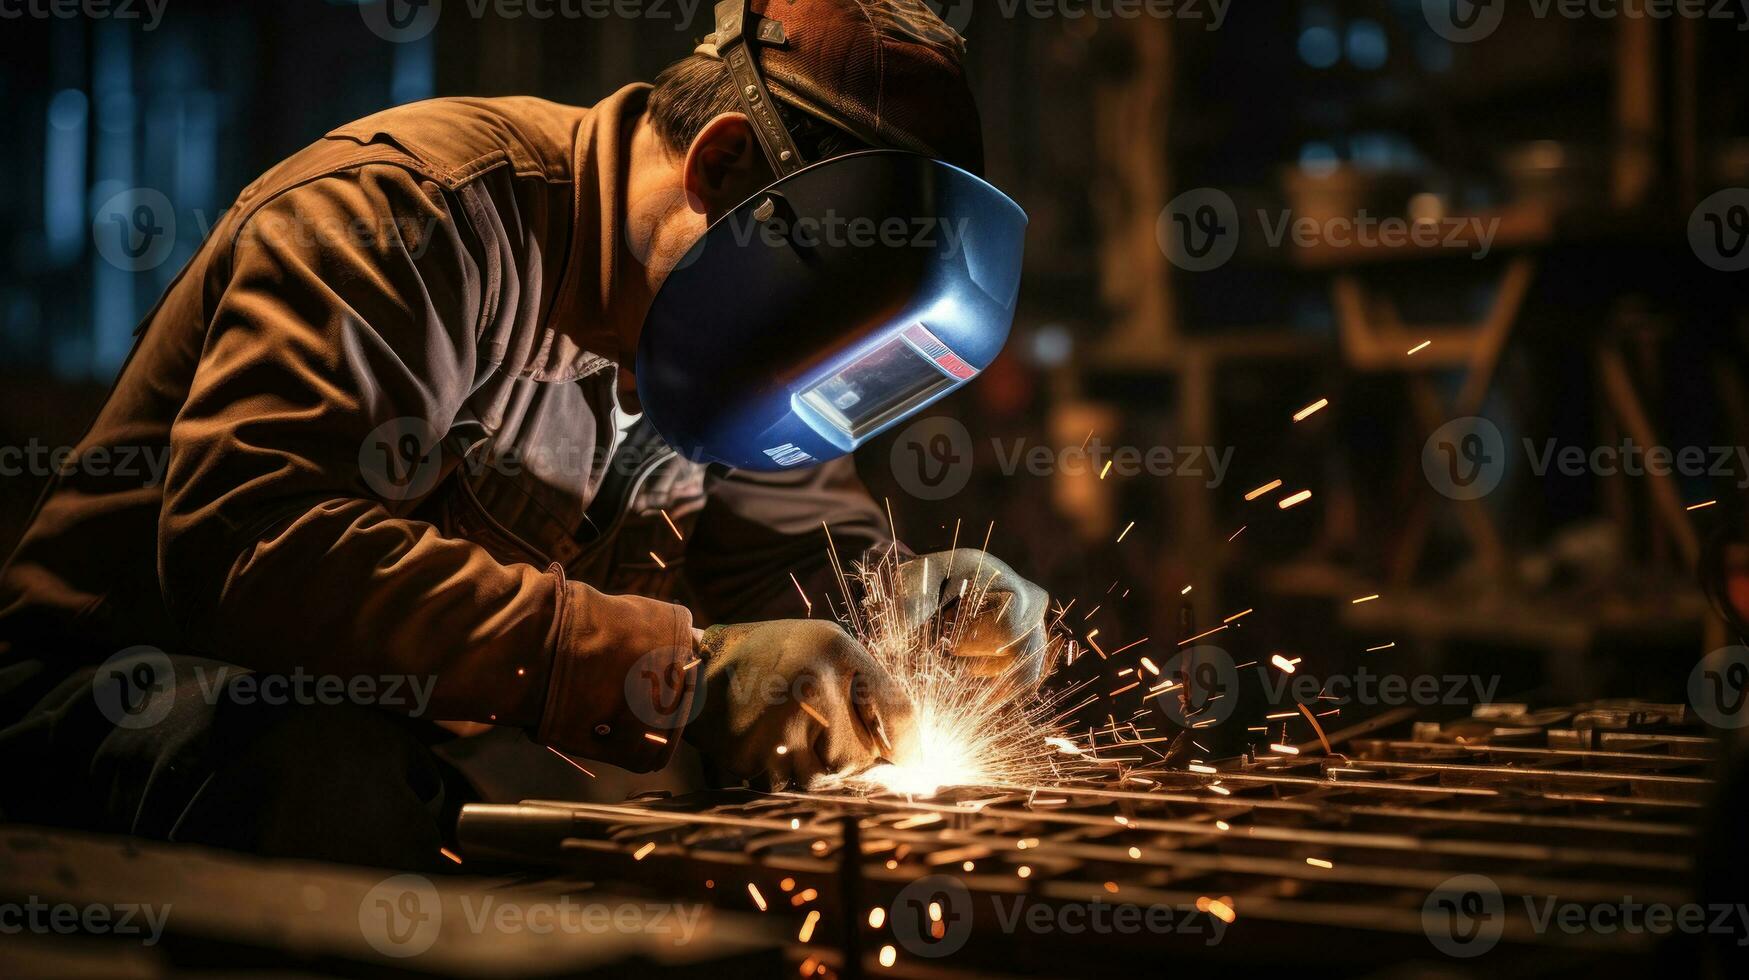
point(697, 88)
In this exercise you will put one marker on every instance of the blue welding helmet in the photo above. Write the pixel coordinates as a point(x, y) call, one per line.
point(837, 302)
point(834, 304)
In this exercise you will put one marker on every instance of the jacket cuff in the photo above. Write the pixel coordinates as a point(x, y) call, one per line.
point(621, 686)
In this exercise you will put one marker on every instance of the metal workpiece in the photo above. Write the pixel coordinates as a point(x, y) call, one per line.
point(1358, 848)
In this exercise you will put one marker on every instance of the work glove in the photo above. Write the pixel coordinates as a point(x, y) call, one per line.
point(1006, 637)
point(789, 700)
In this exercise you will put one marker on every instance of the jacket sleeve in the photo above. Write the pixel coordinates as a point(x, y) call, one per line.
point(758, 529)
point(342, 342)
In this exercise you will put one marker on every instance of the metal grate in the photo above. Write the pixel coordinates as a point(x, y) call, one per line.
point(1328, 862)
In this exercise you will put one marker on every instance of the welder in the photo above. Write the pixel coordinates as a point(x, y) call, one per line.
point(472, 404)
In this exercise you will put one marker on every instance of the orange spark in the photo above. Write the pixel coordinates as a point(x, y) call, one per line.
point(571, 761)
point(1204, 633)
point(1260, 491)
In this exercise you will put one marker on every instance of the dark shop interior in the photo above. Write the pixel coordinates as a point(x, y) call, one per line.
point(855, 488)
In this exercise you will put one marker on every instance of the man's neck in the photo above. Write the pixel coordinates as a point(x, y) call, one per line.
point(653, 194)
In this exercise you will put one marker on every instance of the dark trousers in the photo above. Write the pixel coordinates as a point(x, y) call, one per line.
point(180, 748)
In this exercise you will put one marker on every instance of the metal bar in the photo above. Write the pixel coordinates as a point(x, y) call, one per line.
point(850, 895)
point(1612, 776)
point(1352, 843)
point(1202, 828)
point(1475, 791)
point(1527, 751)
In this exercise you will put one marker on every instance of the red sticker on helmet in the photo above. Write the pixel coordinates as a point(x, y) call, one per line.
point(931, 347)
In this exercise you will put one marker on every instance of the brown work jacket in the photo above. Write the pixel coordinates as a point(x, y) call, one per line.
point(386, 384)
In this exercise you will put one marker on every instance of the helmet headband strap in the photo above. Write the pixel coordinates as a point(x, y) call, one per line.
point(735, 48)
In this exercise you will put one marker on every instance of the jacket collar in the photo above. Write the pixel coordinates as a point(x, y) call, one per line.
point(591, 316)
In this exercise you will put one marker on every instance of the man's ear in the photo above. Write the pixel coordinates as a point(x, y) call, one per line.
point(724, 166)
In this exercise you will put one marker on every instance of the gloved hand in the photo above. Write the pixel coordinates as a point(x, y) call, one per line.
point(1007, 636)
point(757, 678)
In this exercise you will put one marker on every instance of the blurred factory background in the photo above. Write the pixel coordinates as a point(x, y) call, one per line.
point(1583, 149)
